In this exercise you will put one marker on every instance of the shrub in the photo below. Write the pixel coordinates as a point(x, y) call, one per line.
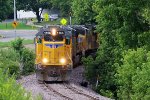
point(9, 61)
point(8, 54)
point(18, 45)
point(28, 58)
point(12, 66)
point(10, 90)
point(133, 75)
point(90, 69)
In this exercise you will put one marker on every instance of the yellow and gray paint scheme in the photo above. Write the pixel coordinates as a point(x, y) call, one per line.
point(59, 48)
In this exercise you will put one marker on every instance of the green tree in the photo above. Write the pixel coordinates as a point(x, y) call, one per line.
point(82, 11)
point(5, 9)
point(121, 26)
point(90, 69)
point(133, 75)
point(36, 6)
point(63, 5)
point(146, 12)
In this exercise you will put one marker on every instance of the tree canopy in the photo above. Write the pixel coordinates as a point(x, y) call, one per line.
point(121, 25)
point(133, 75)
point(5, 9)
point(63, 5)
point(82, 11)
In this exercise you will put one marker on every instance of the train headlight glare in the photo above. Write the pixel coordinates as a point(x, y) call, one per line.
point(45, 60)
point(62, 61)
point(53, 32)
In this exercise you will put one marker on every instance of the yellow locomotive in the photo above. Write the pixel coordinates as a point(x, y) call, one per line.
point(59, 48)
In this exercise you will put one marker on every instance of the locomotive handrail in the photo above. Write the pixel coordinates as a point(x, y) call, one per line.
point(69, 57)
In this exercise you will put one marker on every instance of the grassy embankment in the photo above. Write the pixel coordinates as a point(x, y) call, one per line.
point(8, 26)
point(8, 44)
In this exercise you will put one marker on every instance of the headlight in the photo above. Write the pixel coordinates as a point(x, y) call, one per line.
point(45, 60)
point(62, 61)
point(53, 32)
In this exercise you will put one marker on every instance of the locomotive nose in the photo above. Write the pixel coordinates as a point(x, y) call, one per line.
point(54, 54)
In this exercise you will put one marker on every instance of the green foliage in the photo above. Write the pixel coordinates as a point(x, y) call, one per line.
point(16, 59)
point(10, 69)
point(144, 40)
point(26, 56)
point(12, 66)
point(63, 5)
point(90, 68)
point(106, 70)
point(27, 60)
point(9, 44)
point(5, 9)
point(8, 53)
point(82, 11)
point(9, 61)
point(146, 12)
point(10, 90)
point(122, 25)
point(18, 45)
point(133, 75)
point(122, 19)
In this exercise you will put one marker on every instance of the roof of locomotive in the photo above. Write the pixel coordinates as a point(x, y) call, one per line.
point(72, 28)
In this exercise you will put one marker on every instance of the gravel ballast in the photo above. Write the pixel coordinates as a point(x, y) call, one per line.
point(31, 85)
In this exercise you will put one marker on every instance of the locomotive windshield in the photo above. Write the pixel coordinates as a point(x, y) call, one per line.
point(48, 36)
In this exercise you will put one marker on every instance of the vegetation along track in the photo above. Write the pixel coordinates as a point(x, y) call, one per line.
point(66, 91)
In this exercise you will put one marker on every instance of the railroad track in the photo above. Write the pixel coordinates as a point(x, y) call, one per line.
point(79, 92)
point(58, 93)
point(68, 88)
